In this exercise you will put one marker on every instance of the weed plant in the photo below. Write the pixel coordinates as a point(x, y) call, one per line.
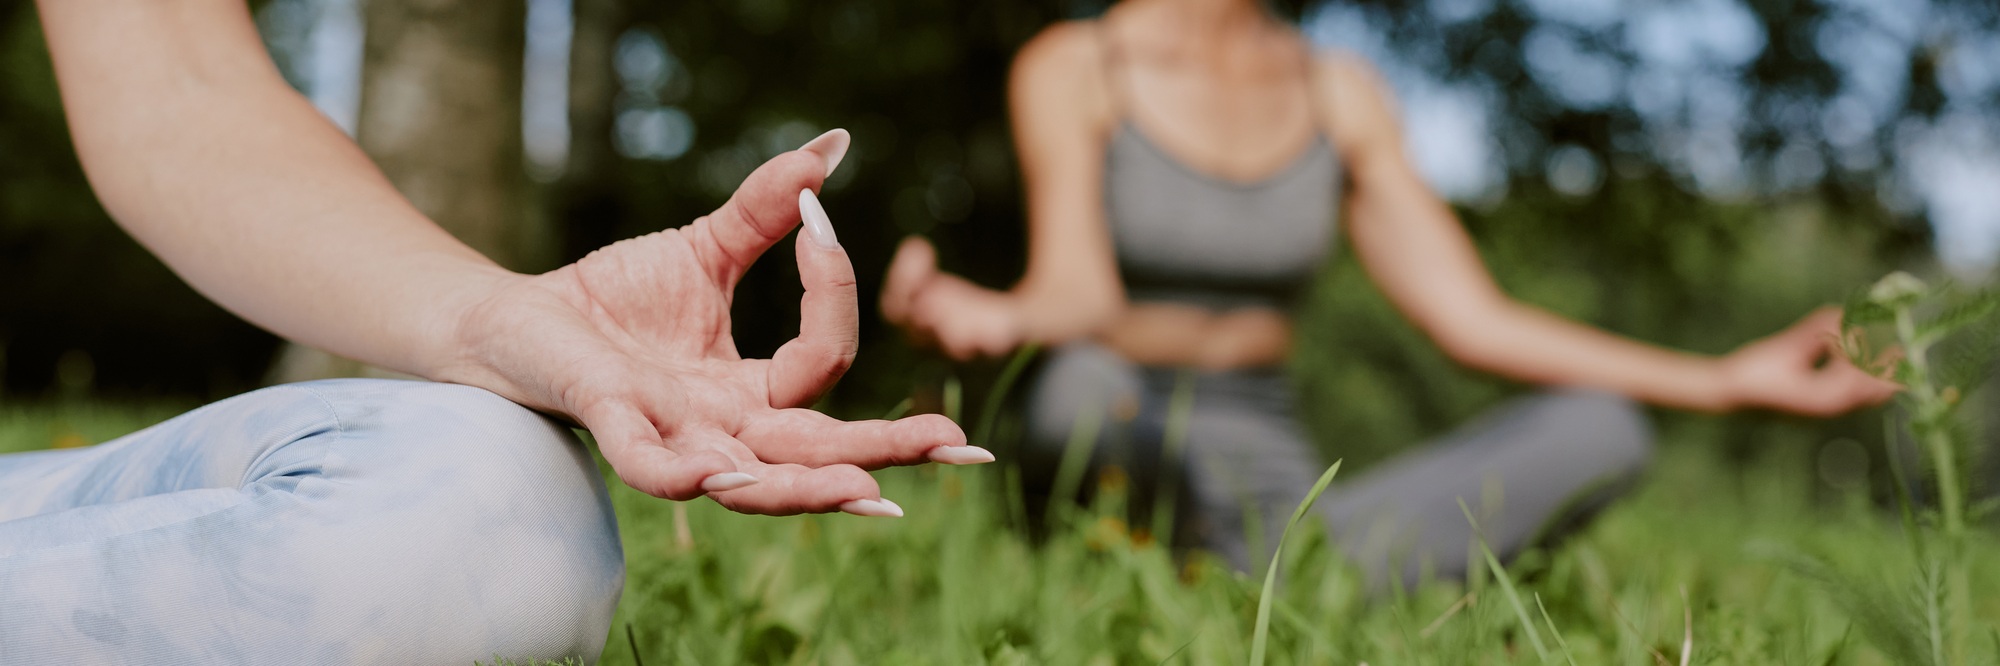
point(1937, 342)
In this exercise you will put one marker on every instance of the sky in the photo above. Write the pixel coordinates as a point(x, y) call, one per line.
point(1948, 170)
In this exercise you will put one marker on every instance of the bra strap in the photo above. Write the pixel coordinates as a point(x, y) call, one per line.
point(1111, 59)
point(1306, 64)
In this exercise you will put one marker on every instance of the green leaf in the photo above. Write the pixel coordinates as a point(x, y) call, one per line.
point(1963, 311)
point(1861, 311)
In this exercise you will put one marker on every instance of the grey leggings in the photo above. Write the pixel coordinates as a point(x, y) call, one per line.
point(1528, 469)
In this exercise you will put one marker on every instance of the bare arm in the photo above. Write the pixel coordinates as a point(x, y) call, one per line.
point(1417, 252)
point(199, 149)
point(1060, 115)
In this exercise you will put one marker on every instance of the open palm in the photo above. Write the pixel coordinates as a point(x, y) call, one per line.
point(634, 342)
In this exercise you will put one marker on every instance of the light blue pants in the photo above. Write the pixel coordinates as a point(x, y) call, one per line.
point(337, 522)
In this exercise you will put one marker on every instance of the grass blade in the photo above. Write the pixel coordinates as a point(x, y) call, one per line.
point(1553, 631)
point(1261, 635)
point(1506, 584)
point(1687, 624)
point(1180, 409)
point(634, 644)
point(900, 409)
point(990, 413)
point(954, 400)
point(1075, 460)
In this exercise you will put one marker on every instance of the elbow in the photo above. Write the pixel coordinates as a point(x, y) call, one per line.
point(1467, 348)
point(1476, 338)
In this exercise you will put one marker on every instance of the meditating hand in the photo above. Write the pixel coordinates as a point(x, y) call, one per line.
point(634, 343)
point(1801, 370)
point(939, 309)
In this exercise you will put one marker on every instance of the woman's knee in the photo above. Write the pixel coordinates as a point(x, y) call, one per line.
point(1079, 383)
point(1607, 429)
point(506, 504)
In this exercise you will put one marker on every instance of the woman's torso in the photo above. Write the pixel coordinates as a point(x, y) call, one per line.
point(1211, 264)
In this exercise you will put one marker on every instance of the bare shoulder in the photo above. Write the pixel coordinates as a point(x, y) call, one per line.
point(1062, 66)
point(1067, 52)
point(1357, 103)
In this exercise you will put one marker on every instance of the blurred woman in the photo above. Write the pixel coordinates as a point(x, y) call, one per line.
point(1187, 165)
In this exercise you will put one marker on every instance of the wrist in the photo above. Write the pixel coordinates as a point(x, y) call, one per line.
point(451, 347)
point(1724, 388)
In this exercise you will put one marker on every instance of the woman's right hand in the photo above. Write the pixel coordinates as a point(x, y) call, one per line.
point(961, 319)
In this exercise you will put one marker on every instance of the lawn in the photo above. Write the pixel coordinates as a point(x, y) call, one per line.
point(1709, 562)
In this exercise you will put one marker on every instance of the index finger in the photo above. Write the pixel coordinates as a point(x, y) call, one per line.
point(765, 207)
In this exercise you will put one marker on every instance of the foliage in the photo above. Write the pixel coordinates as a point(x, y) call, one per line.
point(1920, 320)
point(956, 582)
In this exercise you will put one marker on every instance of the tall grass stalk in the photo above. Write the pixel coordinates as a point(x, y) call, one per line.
point(1261, 635)
point(1173, 445)
point(1506, 585)
point(989, 413)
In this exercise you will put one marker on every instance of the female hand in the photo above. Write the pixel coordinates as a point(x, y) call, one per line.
point(634, 343)
point(960, 318)
point(1801, 370)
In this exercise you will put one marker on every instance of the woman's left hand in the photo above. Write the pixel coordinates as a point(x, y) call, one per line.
point(1801, 370)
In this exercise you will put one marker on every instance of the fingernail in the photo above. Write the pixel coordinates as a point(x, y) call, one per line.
point(960, 455)
point(879, 508)
point(818, 226)
point(831, 146)
point(716, 483)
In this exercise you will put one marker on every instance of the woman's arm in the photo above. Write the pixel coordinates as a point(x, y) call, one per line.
point(200, 150)
point(197, 147)
point(1416, 251)
point(1061, 113)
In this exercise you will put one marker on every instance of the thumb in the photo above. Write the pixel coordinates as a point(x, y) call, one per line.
point(764, 208)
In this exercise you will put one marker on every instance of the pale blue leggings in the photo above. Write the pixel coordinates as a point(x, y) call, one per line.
point(336, 522)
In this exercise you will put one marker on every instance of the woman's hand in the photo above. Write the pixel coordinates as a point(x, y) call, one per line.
point(1801, 370)
point(960, 318)
point(634, 343)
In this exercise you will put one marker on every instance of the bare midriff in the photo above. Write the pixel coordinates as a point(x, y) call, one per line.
point(1172, 334)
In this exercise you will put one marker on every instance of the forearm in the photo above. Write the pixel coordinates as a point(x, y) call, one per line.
point(1049, 315)
point(197, 148)
point(1528, 344)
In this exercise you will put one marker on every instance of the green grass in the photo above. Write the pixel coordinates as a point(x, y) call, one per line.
point(1706, 554)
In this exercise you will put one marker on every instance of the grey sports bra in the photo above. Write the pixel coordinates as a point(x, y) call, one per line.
point(1183, 236)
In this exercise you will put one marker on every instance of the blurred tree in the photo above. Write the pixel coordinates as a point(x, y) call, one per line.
point(441, 114)
point(586, 198)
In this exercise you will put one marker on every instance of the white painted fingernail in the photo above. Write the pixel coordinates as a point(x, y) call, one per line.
point(831, 146)
point(960, 455)
point(818, 226)
point(716, 483)
point(877, 508)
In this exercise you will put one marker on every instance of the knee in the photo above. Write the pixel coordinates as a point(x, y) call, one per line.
point(1611, 428)
point(1079, 383)
point(503, 502)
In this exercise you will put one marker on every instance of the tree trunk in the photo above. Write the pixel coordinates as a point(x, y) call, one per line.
point(586, 200)
point(441, 114)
